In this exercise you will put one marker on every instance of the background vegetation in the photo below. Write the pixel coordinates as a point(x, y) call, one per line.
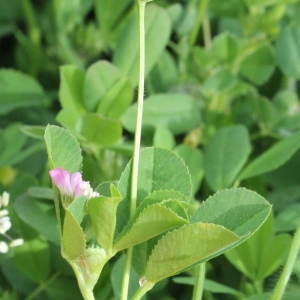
point(222, 91)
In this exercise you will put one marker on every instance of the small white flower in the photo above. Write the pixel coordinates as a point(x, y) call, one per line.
point(3, 247)
point(3, 212)
point(5, 199)
point(88, 191)
point(5, 224)
point(15, 243)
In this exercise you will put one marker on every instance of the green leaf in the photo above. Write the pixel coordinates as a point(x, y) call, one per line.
point(12, 140)
point(144, 225)
point(159, 169)
point(275, 256)
point(225, 155)
point(183, 114)
point(187, 246)
point(73, 241)
point(117, 99)
point(63, 288)
point(99, 130)
point(111, 15)
point(70, 89)
point(99, 78)
point(77, 208)
point(259, 65)
point(41, 192)
point(221, 81)
point(157, 33)
point(163, 138)
point(262, 254)
point(105, 189)
point(239, 210)
point(225, 47)
point(161, 195)
point(18, 90)
point(164, 75)
point(288, 50)
point(288, 219)
point(36, 132)
point(68, 118)
point(69, 15)
point(39, 215)
point(63, 149)
point(117, 276)
point(193, 158)
point(273, 158)
point(103, 215)
point(33, 259)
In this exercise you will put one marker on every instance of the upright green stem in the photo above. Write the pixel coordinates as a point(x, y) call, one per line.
point(206, 32)
point(199, 284)
point(201, 12)
point(288, 268)
point(137, 141)
point(35, 36)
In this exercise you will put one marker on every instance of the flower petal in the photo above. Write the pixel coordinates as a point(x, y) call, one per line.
point(76, 183)
point(61, 179)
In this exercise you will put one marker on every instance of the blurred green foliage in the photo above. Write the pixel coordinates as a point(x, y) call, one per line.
point(222, 91)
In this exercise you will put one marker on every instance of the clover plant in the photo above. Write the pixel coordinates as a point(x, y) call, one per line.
point(148, 212)
point(149, 194)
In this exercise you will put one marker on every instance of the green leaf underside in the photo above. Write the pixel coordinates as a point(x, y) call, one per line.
point(160, 196)
point(99, 130)
point(239, 210)
point(63, 149)
point(225, 156)
point(153, 220)
point(103, 215)
point(171, 199)
point(114, 191)
point(273, 158)
point(73, 237)
point(159, 169)
point(186, 246)
point(77, 208)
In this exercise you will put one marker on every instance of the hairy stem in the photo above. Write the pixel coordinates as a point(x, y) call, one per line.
point(137, 141)
point(288, 268)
